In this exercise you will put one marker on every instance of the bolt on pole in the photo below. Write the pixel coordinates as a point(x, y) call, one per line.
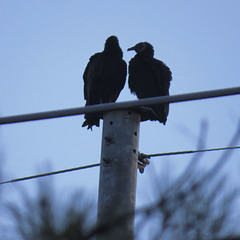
point(118, 171)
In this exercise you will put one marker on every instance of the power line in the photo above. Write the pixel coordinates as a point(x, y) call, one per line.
point(121, 105)
point(187, 152)
point(50, 173)
point(142, 155)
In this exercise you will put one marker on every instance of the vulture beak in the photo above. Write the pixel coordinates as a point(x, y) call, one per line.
point(138, 48)
point(131, 48)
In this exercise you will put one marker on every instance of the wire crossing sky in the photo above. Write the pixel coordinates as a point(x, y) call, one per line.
point(98, 164)
point(122, 105)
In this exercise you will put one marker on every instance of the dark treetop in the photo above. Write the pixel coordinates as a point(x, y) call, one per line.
point(149, 77)
point(104, 78)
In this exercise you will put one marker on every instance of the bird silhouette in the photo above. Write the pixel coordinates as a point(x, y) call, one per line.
point(104, 78)
point(149, 77)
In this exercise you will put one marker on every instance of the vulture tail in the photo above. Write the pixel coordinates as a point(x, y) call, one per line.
point(91, 121)
point(159, 113)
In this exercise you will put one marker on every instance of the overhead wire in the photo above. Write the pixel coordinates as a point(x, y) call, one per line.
point(50, 173)
point(142, 155)
point(120, 105)
point(187, 152)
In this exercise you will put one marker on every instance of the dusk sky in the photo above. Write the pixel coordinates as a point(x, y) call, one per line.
point(44, 48)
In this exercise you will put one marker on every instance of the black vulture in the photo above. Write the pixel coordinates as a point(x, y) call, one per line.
point(104, 78)
point(149, 77)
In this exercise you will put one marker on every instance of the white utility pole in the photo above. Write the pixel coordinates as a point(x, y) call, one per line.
point(118, 171)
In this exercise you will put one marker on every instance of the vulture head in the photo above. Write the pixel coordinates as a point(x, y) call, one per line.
point(143, 48)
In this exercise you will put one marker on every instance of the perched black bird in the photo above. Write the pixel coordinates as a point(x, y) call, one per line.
point(104, 78)
point(149, 77)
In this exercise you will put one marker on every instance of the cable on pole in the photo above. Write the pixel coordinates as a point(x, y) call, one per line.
point(50, 173)
point(120, 105)
point(142, 162)
point(143, 156)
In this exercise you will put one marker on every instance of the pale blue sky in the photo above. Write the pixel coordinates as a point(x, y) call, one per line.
point(45, 46)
